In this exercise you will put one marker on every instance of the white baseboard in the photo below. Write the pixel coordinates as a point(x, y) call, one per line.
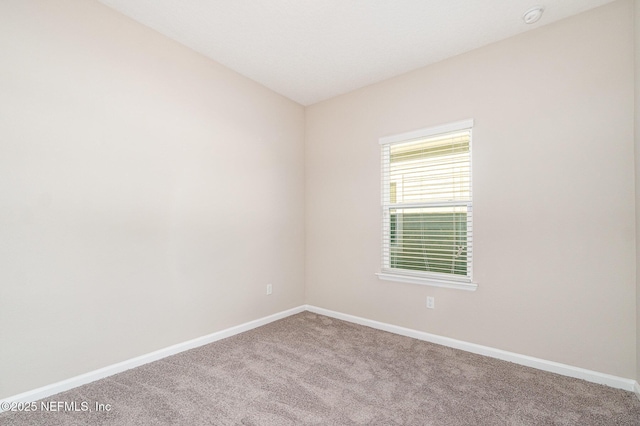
point(52, 389)
point(540, 364)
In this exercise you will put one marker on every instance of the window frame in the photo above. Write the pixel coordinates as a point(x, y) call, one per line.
point(417, 277)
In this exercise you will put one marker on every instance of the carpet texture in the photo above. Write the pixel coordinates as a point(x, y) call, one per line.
point(309, 369)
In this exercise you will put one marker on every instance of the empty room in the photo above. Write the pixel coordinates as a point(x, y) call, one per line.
point(323, 212)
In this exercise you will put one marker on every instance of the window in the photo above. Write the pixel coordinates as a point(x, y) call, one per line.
point(427, 206)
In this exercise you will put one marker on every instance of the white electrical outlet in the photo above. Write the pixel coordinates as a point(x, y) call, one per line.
point(431, 302)
point(269, 289)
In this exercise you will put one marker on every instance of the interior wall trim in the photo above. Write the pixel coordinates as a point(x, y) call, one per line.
point(92, 376)
point(529, 361)
point(541, 364)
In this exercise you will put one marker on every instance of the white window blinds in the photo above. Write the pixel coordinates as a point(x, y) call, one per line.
point(427, 204)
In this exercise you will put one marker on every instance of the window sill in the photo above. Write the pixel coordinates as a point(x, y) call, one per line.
point(460, 285)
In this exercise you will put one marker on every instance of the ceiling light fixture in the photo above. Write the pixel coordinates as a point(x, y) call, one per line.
point(533, 15)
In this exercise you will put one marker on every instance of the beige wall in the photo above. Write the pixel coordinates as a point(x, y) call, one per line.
point(637, 157)
point(553, 188)
point(148, 194)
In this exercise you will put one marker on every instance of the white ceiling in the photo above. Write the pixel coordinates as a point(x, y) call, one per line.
point(311, 50)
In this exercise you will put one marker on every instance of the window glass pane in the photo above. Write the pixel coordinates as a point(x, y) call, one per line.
point(432, 239)
point(435, 169)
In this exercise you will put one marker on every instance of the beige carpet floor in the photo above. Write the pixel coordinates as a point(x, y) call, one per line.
point(308, 369)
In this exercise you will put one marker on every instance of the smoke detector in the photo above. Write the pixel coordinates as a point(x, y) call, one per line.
point(533, 15)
